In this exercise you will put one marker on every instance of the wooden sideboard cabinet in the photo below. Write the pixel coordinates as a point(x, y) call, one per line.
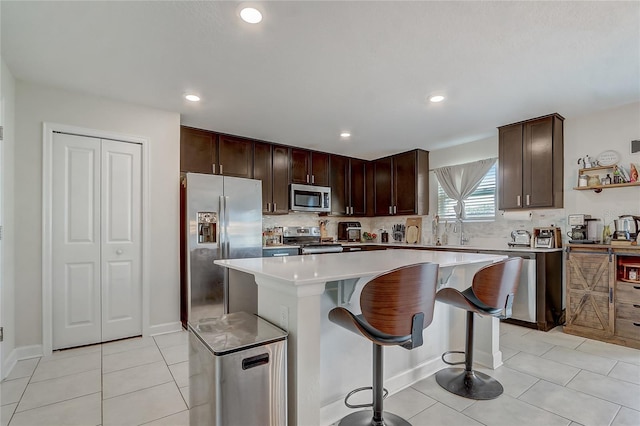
point(531, 165)
point(601, 303)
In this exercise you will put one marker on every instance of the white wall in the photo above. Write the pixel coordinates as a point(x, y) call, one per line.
point(7, 292)
point(37, 104)
point(613, 129)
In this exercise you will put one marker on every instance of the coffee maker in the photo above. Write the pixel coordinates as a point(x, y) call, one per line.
point(583, 229)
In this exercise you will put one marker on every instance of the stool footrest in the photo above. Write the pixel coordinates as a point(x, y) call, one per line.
point(353, 392)
point(453, 352)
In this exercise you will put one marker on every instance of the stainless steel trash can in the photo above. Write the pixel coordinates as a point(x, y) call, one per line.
point(237, 372)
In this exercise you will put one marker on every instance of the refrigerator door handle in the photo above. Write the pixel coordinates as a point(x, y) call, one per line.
point(223, 225)
point(226, 227)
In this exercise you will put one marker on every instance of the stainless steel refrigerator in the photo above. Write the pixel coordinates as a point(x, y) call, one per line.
point(222, 217)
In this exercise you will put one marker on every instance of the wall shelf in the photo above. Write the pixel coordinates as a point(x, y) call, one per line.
point(599, 188)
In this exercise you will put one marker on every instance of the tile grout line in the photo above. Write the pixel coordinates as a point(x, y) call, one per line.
point(24, 390)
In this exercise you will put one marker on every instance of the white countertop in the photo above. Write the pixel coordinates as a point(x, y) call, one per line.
point(312, 269)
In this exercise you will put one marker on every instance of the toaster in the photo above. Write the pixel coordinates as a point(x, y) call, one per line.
point(521, 237)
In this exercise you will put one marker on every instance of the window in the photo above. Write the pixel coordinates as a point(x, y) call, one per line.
point(480, 205)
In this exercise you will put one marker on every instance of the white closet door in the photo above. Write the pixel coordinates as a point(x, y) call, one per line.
point(121, 240)
point(97, 251)
point(76, 241)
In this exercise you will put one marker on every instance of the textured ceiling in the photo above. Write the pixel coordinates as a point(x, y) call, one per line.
point(313, 69)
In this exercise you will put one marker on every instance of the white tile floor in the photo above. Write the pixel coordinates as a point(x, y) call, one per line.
point(549, 379)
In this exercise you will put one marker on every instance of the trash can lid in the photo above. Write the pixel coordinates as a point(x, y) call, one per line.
point(236, 331)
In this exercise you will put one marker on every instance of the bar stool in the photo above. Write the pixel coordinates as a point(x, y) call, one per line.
point(491, 293)
point(396, 306)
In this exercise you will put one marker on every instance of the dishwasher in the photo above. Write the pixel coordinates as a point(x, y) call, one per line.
point(524, 302)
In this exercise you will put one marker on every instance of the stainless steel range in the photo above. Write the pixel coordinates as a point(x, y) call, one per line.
point(308, 238)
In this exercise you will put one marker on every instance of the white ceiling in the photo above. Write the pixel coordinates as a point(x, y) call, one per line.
point(313, 69)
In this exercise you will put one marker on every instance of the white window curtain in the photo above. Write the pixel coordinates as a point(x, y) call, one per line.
point(460, 181)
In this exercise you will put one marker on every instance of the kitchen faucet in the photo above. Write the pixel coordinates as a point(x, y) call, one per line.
point(463, 239)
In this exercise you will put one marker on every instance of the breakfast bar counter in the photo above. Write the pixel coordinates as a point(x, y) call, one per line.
point(325, 361)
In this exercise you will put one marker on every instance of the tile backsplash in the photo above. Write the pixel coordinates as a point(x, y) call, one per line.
point(487, 233)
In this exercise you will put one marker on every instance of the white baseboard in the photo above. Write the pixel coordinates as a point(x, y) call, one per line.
point(334, 411)
point(27, 352)
point(20, 353)
point(8, 363)
point(169, 327)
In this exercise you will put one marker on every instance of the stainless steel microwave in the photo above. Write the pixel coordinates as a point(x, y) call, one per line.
point(310, 198)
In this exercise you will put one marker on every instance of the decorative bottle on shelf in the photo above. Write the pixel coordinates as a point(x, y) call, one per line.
point(616, 175)
point(606, 235)
point(607, 180)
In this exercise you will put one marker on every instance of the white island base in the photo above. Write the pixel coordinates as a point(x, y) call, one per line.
point(325, 361)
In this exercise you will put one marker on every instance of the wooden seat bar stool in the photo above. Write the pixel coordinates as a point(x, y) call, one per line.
point(491, 293)
point(396, 307)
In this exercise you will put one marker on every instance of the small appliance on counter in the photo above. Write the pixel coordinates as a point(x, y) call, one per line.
point(520, 238)
point(349, 231)
point(626, 228)
point(548, 237)
point(584, 229)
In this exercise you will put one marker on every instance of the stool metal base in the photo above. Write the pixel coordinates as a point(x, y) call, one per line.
point(365, 418)
point(469, 384)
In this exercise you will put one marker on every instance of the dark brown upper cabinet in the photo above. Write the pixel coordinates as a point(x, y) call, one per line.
point(271, 166)
point(401, 184)
point(235, 157)
point(309, 167)
point(203, 151)
point(348, 186)
point(198, 150)
point(531, 164)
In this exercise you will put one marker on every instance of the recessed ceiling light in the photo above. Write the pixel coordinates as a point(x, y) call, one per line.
point(192, 98)
point(437, 98)
point(345, 135)
point(251, 15)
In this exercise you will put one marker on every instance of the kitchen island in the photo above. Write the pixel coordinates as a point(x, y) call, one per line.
point(326, 361)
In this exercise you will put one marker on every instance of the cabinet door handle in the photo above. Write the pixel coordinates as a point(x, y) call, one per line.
point(274, 207)
point(213, 169)
point(351, 210)
point(313, 178)
point(518, 200)
point(221, 169)
point(307, 178)
point(395, 209)
point(390, 210)
point(610, 295)
point(528, 196)
point(637, 287)
point(636, 306)
point(268, 207)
